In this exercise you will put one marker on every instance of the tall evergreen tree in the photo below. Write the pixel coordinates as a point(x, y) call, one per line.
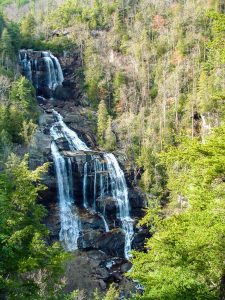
point(7, 50)
point(29, 268)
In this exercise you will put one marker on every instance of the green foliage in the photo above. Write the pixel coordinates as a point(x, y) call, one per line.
point(6, 45)
point(110, 138)
point(185, 256)
point(28, 30)
point(5, 145)
point(10, 43)
point(111, 294)
point(14, 32)
point(19, 3)
point(154, 176)
point(102, 121)
point(2, 23)
point(35, 267)
point(118, 81)
point(93, 74)
point(11, 122)
point(22, 95)
point(17, 114)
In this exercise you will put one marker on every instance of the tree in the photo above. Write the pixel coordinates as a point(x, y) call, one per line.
point(5, 145)
point(110, 138)
point(5, 84)
point(29, 268)
point(14, 32)
point(2, 23)
point(102, 121)
point(184, 258)
point(28, 30)
point(11, 121)
point(23, 96)
point(6, 48)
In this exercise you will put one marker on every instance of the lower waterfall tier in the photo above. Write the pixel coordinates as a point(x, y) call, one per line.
point(100, 177)
point(95, 219)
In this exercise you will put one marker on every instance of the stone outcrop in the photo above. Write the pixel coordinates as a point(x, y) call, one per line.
point(91, 270)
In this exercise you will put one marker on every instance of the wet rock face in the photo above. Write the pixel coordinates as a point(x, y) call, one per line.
point(111, 243)
point(109, 205)
point(43, 69)
point(91, 270)
point(93, 235)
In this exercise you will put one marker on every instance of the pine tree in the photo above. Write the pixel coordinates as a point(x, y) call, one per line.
point(23, 96)
point(28, 30)
point(29, 268)
point(185, 256)
point(110, 139)
point(2, 23)
point(6, 47)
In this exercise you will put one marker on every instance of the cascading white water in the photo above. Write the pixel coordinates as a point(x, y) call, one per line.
point(51, 74)
point(107, 179)
point(70, 224)
point(120, 193)
point(72, 138)
point(26, 66)
point(85, 185)
point(108, 176)
point(30, 67)
point(58, 69)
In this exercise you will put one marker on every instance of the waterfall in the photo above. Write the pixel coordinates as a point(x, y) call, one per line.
point(85, 185)
point(58, 69)
point(72, 138)
point(32, 64)
point(26, 65)
point(109, 181)
point(50, 74)
point(101, 179)
point(70, 225)
point(120, 193)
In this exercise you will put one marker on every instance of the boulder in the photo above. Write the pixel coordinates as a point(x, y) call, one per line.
point(139, 239)
point(91, 221)
point(138, 202)
point(63, 93)
point(112, 242)
point(108, 205)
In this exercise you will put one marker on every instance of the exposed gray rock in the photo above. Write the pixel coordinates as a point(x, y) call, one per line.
point(63, 93)
point(108, 205)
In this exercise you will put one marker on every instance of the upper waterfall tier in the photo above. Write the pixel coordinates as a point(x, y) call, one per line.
point(43, 69)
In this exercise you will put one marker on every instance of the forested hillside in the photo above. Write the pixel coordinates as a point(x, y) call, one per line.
point(153, 70)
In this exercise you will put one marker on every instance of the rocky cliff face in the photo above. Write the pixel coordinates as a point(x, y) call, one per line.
point(40, 152)
point(104, 250)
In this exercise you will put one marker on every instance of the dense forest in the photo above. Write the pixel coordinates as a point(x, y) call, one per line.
point(153, 70)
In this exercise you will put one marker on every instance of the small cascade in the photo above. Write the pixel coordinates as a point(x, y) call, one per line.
point(70, 224)
point(42, 68)
point(120, 193)
point(85, 185)
point(26, 66)
point(102, 174)
point(57, 67)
